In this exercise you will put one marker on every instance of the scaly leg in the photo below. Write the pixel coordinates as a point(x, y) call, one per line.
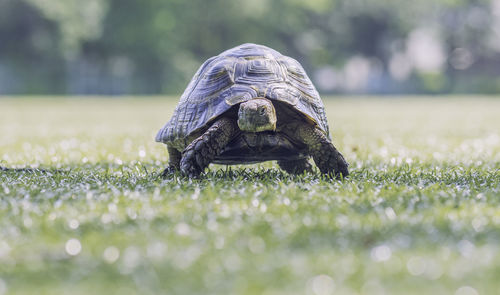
point(174, 162)
point(198, 155)
point(325, 155)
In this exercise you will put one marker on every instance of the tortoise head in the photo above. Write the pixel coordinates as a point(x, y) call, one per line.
point(257, 115)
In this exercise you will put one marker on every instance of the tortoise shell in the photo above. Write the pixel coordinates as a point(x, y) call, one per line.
point(235, 76)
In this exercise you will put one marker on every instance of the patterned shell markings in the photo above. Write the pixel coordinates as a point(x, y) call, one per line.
point(237, 75)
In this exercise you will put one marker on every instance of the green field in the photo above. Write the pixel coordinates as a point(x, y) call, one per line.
point(419, 214)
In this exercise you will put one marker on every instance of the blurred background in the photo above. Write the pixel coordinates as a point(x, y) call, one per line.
point(115, 47)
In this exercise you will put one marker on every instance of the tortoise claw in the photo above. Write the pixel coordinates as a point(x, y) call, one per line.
point(169, 171)
point(189, 165)
point(191, 171)
point(341, 167)
point(338, 168)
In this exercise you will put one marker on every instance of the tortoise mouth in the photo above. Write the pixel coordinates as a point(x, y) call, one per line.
point(257, 115)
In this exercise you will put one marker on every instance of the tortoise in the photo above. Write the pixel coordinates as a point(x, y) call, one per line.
point(247, 105)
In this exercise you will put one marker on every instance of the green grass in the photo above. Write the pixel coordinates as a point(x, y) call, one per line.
point(420, 213)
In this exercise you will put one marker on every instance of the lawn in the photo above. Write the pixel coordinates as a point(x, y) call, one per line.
point(419, 214)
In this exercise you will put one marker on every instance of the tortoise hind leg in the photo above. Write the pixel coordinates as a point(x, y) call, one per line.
point(174, 161)
point(295, 166)
point(198, 155)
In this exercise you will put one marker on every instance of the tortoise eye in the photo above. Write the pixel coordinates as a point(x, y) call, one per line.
point(262, 111)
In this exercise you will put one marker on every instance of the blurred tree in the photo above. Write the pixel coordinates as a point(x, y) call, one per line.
point(155, 46)
point(29, 56)
point(77, 21)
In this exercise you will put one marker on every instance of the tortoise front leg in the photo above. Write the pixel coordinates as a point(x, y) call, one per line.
point(198, 155)
point(325, 155)
point(174, 162)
